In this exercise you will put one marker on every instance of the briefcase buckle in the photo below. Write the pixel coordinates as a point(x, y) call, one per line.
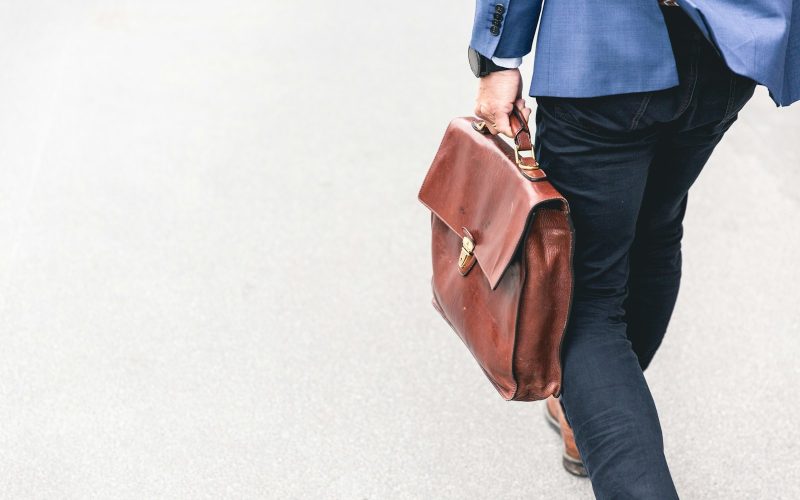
point(467, 257)
point(521, 159)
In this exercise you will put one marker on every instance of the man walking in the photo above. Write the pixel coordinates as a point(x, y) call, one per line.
point(632, 98)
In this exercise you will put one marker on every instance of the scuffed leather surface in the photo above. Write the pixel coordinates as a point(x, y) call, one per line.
point(512, 313)
point(544, 309)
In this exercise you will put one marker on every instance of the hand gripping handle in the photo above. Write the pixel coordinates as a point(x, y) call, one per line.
point(522, 140)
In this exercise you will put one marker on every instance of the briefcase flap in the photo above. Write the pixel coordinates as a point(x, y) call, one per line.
point(474, 183)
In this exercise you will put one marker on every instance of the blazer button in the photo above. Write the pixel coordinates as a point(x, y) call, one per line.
point(496, 23)
point(499, 8)
point(498, 16)
point(494, 31)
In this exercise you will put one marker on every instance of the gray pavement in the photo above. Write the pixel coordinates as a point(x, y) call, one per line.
point(214, 272)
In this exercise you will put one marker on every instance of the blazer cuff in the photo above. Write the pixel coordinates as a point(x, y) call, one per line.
point(504, 28)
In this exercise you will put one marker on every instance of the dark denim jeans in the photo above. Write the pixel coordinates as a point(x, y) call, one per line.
point(625, 163)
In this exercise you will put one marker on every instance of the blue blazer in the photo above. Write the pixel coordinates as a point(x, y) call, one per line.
point(589, 48)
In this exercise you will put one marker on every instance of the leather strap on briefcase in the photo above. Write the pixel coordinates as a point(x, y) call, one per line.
point(502, 246)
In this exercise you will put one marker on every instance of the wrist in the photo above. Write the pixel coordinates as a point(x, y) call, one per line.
point(508, 62)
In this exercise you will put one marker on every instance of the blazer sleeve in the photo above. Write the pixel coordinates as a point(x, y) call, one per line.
point(505, 28)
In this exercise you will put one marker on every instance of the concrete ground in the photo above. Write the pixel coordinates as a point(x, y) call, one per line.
point(214, 271)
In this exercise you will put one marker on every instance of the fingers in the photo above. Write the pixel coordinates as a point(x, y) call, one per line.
point(503, 125)
point(523, 107)
point(497, 116)
point(485, 113)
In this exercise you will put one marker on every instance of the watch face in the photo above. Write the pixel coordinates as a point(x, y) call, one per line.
point(475, 61)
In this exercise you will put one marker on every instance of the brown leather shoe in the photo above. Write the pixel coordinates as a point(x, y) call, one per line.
point(571, 458)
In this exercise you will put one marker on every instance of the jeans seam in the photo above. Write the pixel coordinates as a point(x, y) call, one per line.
point(693, 69)
point(728, 114)
point(640, 111)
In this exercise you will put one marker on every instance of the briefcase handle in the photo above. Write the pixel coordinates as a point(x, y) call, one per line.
point(522, 139)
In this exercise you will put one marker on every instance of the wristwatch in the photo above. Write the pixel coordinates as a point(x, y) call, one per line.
point(482, 65)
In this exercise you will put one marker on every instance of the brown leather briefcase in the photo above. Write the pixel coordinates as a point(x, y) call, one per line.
point(502, 245)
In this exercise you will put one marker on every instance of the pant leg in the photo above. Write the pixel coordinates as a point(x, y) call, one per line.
point(655, 257)
point(688, 140)
point(603, 153)
point(593, 157)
